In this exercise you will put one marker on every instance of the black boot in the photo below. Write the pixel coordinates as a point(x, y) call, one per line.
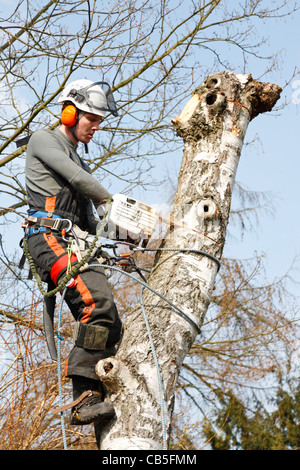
point(91, 407)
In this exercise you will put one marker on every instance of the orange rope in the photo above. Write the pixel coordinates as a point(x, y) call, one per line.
point(239, 104)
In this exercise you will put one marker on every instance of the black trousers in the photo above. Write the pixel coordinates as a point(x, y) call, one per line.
point(90, 300)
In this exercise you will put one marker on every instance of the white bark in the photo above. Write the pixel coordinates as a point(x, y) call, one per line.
point(213, 126)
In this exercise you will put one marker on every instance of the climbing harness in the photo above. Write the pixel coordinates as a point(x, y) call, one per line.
point(123, 263)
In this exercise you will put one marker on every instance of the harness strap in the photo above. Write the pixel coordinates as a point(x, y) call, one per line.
point(54, 224)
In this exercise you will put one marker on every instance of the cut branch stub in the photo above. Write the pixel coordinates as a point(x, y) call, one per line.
point(262, 96)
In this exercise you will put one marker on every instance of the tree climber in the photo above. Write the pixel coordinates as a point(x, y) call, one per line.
point(61, 191)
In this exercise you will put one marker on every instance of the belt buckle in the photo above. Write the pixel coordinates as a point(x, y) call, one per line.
point(56, 224)
point(28, 221)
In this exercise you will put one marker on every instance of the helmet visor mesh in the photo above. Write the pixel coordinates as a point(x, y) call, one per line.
point(89, 96)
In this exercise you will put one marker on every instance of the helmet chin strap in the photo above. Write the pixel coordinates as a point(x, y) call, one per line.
point(73, 132)
point(73, 129)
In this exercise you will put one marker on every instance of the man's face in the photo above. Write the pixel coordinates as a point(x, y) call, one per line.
point(87, 126)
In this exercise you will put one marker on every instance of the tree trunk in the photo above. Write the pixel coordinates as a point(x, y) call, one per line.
point(212, 125)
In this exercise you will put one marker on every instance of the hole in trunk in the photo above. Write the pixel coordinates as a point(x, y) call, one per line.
point(211, 98)
point(108, 367)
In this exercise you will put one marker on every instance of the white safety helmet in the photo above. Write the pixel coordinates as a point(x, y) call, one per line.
point(90, 97)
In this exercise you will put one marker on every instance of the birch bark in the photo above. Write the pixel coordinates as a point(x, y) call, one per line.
point(213, 126)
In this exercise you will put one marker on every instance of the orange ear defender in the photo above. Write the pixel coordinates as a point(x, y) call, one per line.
point(69, 116)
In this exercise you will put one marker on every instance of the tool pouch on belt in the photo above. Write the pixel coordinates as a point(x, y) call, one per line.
point(92, 337)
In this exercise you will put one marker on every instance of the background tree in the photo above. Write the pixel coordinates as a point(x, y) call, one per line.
point(251, 427)
point(153, 54)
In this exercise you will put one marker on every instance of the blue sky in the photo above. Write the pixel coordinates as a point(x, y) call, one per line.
point(274, 165)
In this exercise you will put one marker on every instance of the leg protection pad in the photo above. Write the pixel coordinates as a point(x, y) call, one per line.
point(92, 337)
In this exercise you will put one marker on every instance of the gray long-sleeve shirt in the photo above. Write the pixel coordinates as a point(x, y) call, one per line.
point(51, 160)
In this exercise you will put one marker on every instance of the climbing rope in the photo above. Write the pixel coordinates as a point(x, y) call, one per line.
point(158, 373)
point(60, 339)
point(62, 287)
